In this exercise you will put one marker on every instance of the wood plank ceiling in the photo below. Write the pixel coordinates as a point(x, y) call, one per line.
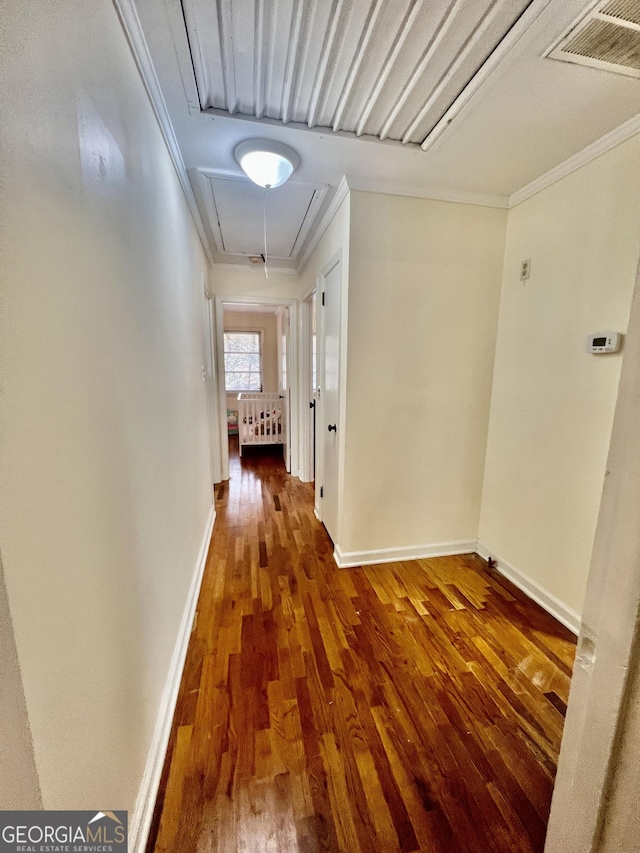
point(387, 69)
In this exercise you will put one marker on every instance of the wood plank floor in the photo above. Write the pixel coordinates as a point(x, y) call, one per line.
point(413, 706)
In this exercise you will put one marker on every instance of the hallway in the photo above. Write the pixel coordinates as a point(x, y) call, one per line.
point(411, 706)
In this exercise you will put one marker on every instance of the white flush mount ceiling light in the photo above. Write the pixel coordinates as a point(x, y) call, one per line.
point(268, 163)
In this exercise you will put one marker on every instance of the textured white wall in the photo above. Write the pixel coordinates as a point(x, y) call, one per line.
point(19, 787)
point(104, 466)
point(424, 284)
point(621, 829)
point(552, 403)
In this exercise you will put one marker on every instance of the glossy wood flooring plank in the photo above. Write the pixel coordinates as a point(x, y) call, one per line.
point(411, 706)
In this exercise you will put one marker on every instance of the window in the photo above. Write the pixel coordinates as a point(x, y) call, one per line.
point(243, 361)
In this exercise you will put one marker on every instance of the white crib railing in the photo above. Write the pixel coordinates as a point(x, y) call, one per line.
point(261, 419)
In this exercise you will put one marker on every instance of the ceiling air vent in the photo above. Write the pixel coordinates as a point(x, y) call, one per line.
point(608, 38)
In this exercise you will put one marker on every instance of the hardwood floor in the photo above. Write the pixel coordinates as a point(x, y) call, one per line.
point(402, 707)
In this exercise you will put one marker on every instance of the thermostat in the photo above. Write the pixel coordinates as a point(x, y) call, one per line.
point(604, 342)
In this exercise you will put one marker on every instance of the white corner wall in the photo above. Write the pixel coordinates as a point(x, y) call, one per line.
point(424, 286)
point(19, 787)
point(552, 403)
point(104, 468)
point(334, 239)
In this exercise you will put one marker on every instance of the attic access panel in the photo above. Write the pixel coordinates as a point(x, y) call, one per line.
point(371, 67)
point(238, 206)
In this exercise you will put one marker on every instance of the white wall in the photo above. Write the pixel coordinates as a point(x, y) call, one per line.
point(621, 826)
point(552, 403)
point(334, 240)
point(595, 797)
point(19, 788)
point(424, 283)
point(104, 467)
point(248, 282)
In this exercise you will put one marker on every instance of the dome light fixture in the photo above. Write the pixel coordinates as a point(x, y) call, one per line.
point(266, 162)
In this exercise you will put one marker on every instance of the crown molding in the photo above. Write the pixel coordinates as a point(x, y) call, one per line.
point(130, 22)
point(610, 140)
point(317, 234)
point(432, 194)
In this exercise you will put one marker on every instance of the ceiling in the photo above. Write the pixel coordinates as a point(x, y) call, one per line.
point(238, 212)
point(437, 98)
point(384, 69)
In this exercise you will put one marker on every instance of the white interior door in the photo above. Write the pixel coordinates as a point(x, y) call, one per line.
point(329, 396)
point(311, 385)
point(210, 377)
point(218, 354)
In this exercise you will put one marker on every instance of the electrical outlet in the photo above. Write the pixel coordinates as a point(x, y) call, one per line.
point(525, 269)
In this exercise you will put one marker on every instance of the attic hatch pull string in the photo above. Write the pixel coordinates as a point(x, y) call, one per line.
point(264, 220)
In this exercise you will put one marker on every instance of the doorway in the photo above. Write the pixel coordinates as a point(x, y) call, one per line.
point(309, 378)
point(209, 375)
point(256, 349)
point(328, 423)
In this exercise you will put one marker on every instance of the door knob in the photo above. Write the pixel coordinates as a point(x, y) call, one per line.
point(332, 428)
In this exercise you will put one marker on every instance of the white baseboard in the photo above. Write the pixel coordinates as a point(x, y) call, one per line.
point(350, 559)
point(140, 823)
point(547, 600)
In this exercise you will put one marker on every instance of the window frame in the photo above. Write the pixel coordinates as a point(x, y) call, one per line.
point(236, 331)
